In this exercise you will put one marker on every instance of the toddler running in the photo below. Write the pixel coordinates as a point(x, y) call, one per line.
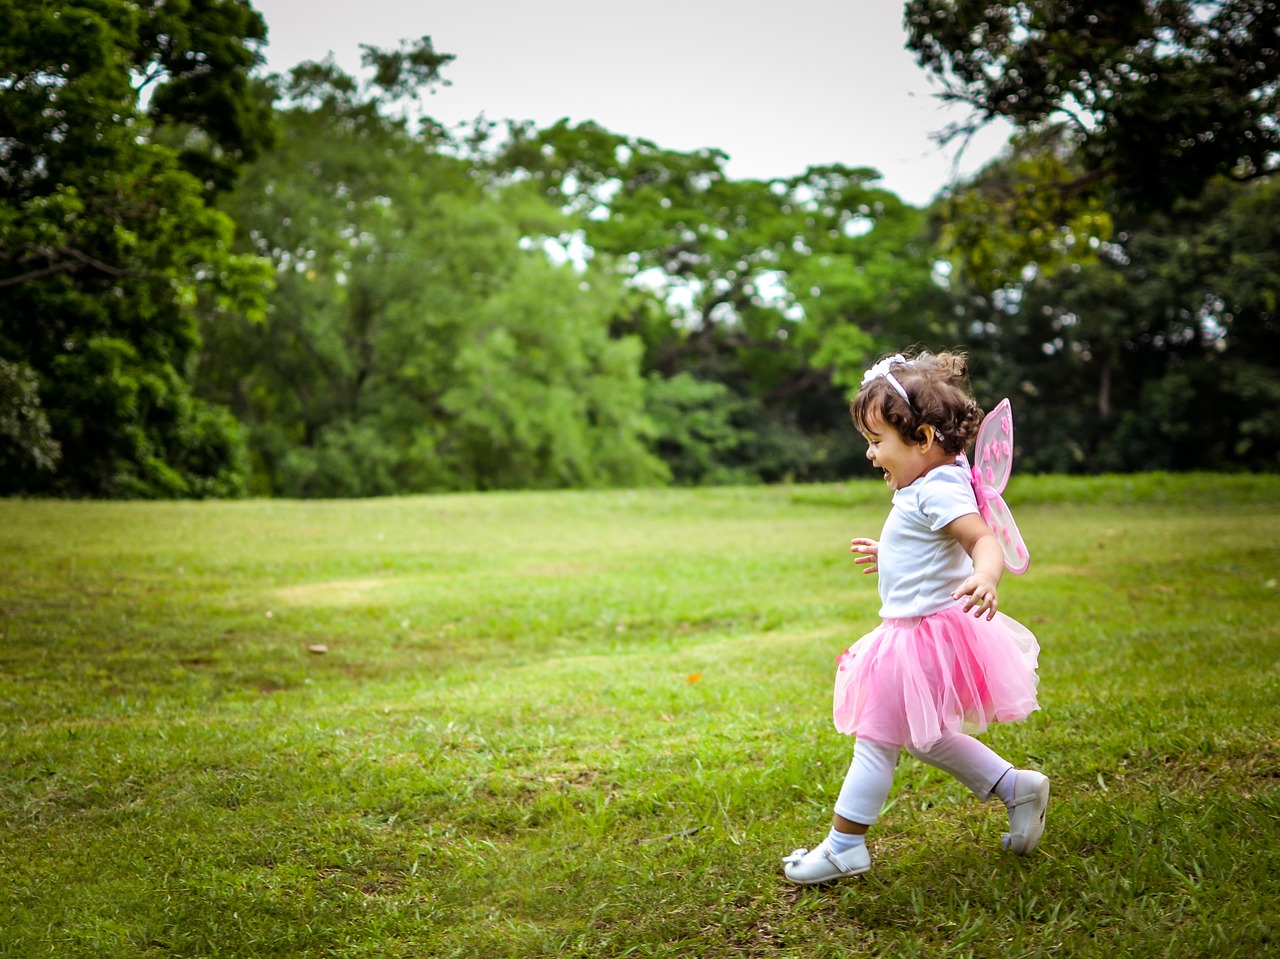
point(944, 662)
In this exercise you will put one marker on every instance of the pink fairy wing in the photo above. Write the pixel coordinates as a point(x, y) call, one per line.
point(998, 517)
point(992, 465)
point(993, 450)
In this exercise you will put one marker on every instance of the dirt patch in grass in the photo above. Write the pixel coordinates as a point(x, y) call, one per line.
point(343, 592)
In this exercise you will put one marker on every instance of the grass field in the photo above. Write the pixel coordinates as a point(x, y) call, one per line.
point(590, 724)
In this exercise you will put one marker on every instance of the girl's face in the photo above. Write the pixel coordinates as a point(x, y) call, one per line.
point(903, 463)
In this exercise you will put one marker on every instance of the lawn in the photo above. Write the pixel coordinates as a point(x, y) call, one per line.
point(589, 724)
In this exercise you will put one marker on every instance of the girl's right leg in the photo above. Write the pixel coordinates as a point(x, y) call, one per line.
point(844, 851)
point(867, 784)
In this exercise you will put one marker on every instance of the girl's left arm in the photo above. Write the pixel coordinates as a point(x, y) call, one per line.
point(972, 533)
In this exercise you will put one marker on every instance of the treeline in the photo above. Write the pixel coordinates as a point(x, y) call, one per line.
point(215, 282)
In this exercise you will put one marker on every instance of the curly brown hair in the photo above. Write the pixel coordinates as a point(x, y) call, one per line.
point(937, 384)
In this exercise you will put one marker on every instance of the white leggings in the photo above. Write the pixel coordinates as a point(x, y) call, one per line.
point(870, 777)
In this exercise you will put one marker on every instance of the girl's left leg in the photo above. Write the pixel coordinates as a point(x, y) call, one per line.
point(969, 760)
point(1024, 792)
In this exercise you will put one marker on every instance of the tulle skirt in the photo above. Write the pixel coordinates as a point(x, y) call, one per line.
point(909, 682)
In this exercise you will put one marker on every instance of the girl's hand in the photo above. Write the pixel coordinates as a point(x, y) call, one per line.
point(870, 551)
point(973, 534)
point(981, 593)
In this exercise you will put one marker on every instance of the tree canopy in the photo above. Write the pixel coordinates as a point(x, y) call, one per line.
point(216, 282)
point(1115, 262)
point(759, 284)
point(418, 338)
point(109, 254)
point(1159, 96)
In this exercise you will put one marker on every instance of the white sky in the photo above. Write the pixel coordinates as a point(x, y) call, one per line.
point(777, 86)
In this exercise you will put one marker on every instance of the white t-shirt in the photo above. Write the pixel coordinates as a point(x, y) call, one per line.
point(920, 566)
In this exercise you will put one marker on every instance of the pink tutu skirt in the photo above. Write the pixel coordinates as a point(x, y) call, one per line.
point(909, 682)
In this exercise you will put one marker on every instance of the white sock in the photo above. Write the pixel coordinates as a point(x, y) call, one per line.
point(841, 842)
point(1007, 786)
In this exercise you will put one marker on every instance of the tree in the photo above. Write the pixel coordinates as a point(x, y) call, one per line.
point(109, 255)
point(1116, 263)
point(199, 55)
point(1160, 353)
point(1022, 211)
point(776, 291)
point(418, 338)
point(1160, 96)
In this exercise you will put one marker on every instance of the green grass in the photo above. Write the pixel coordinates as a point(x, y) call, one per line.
point(590, 724)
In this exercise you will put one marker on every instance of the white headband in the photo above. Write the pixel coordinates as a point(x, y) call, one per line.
point(882, 369)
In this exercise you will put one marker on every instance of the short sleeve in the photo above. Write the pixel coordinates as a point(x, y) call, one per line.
point(945, 495)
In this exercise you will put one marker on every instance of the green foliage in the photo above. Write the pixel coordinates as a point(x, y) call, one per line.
point(1025, 209)
point(590, 724)
point(695, 430)
point(542, 396)
point(1161, 97)
point(109, 257)
point(26, 441)
point(407, 71)
point(1161, 354)
point(577, 307)
point(1120, 263)
point(779, 291)
point(202, 52)
point(419, 338)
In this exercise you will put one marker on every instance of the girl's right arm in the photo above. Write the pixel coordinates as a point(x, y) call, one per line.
point(870, 551)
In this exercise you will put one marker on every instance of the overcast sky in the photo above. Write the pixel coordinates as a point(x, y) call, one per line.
point(777, 86)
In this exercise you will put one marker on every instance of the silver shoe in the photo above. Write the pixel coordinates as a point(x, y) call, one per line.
point(1026, 812)
point(806, 867)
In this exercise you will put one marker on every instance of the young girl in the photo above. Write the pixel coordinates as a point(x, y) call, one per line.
point(944, 661)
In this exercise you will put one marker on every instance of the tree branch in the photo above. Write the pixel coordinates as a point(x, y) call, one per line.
point(67, 260)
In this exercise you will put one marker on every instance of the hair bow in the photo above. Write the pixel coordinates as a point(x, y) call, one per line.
point(883, 369)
